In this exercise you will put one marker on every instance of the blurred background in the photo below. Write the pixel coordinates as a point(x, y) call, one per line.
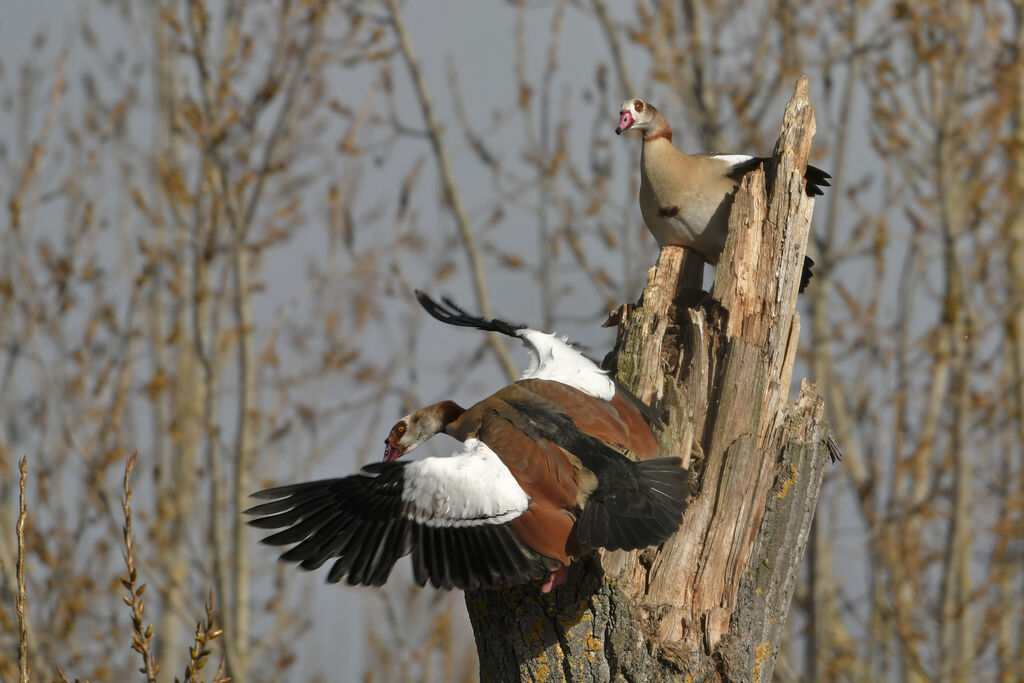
point(214, 214)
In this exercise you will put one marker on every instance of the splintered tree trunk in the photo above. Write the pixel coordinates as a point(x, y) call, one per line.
point(711, 603)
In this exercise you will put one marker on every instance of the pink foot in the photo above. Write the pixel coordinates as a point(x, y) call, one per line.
point(553, 580)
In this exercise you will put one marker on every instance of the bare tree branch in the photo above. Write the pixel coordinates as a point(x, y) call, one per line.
point(23, 669)
point(451, 192)
point(142, 635)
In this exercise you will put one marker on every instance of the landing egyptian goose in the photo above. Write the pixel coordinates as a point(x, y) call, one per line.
point(685, 198)
point(541, 478)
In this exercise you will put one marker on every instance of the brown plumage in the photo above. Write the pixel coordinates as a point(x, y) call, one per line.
point(617, 422)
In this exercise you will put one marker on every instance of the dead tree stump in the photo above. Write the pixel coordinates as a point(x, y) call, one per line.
point(712, 602)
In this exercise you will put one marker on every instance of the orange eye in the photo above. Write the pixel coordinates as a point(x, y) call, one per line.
point(638, 105)
point(400, 429)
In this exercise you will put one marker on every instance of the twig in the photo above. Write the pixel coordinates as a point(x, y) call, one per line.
point(205, 634)
point(142, 638)
point(451, 193)
point(199, 309)
point(241, 213)
point(601, 9)
point(22, 623)
point(627, 89)
point(243, 454)
point(317, 22)
point(15, 203)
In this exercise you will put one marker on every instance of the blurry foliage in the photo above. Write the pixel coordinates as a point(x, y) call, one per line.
point(215, 213)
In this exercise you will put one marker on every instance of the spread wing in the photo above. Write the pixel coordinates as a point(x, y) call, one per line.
point(453, 514)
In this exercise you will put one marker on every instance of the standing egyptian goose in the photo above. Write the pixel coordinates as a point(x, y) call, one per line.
point(685, 198)
point(540, 479)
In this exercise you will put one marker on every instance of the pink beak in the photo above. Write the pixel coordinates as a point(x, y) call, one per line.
point(391, 453)
point(625, 121)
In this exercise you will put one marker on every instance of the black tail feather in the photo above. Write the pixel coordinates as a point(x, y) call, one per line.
point(806, 274)
point(636, 511)
point(816, 179)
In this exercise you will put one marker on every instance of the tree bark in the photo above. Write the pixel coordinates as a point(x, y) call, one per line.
point(711, 603)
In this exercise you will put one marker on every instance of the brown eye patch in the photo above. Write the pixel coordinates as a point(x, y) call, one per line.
point(638, 105)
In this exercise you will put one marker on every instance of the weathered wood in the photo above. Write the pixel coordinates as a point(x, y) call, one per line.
point(710, 604)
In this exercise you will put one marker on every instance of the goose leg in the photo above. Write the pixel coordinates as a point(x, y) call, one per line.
point(554, 579)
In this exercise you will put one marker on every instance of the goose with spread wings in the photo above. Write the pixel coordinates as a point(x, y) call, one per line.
point(549, 467)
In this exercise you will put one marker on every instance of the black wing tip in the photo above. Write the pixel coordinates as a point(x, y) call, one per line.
point(451, 313)
point(815, 177)
point(267, 522)
point(269, 494)
point(272, 496)
point(279, 493)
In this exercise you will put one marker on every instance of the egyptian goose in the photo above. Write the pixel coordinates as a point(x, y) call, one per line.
point(685, 198)
point(541, 478)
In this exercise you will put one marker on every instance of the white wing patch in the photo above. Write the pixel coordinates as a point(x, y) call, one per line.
point(733, 159)
point(469, 488)
point(552, 358)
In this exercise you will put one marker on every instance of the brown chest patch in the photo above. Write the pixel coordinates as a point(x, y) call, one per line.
point(668, 211)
